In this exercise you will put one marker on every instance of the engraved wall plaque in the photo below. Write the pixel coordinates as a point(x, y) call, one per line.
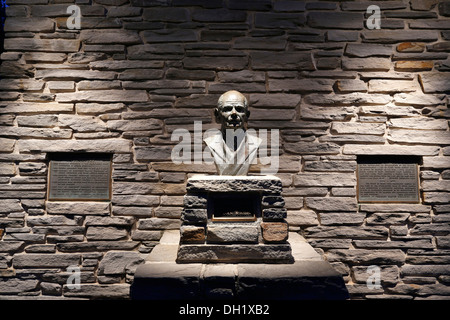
point(79, 180)
point(388, 182)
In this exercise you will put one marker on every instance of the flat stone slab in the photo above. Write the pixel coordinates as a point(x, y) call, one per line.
point(302, 280)
point(214, 183)
point(234, 253)
point(167, 281)
point(309, 277)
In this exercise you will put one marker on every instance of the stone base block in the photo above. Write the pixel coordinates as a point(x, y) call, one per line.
point(309, 277)
point(300, 280)
point(274, 231)
point(235, 253)
point(233, 233)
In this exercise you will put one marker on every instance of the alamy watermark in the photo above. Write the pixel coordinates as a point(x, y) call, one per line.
point(374, 279)
point(74, 21)
point(374, 20)
point(74, 280)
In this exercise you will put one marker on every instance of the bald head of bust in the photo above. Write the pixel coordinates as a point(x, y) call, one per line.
point(232, 110)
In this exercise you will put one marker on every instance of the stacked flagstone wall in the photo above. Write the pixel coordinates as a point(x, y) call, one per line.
point(137, 70)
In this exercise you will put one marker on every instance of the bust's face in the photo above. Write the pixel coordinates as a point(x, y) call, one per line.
point(232, 112)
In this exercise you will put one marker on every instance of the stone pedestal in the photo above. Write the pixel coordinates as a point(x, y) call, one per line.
point(234, 244)
point(234, 219)
point(308, 277)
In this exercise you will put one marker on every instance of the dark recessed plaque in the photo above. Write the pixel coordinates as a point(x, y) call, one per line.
point(388, 182)
point(234, 207)
point(79, 180)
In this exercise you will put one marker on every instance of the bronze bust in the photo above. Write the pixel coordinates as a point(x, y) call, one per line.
point(233, 148)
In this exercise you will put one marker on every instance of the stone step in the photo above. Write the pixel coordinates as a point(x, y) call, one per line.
point(235, 253)
point(301, 280)
point(308, 277)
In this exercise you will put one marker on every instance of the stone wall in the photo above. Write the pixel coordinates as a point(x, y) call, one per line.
point(139, 69)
